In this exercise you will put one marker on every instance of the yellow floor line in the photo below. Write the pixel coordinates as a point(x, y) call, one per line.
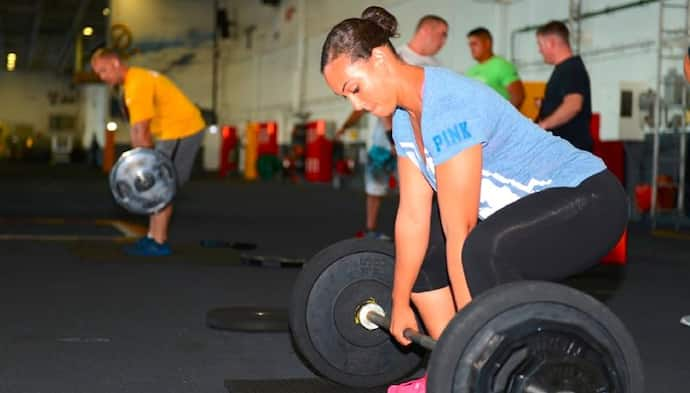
point(671, 234)
point(127, 228)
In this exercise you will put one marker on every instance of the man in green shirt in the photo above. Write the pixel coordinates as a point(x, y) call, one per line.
point(495, 71)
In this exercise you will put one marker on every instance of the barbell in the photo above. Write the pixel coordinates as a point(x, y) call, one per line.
point(143, 181)
point(519, 337)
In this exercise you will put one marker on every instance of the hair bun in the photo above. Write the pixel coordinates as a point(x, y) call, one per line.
point(383, 18)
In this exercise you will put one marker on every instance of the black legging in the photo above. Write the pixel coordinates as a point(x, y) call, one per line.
point(548, 235)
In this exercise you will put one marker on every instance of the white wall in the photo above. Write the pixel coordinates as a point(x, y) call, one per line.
point(246, 92)
point(25, 98)
point(259, 82)
point(615, 47)
point(174, 37)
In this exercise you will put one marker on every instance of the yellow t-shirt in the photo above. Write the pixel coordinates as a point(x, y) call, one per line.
point(150, 95)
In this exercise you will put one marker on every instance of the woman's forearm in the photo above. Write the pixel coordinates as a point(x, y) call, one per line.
point(456, 271)
point(411, 239)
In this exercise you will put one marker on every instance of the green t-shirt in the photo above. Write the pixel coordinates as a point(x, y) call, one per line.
point(496, 72)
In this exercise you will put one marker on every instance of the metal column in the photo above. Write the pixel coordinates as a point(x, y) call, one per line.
point(669, 38)
point(657, 114)
point(683, 134)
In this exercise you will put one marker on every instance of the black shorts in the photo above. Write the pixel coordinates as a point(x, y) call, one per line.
point(548, 235)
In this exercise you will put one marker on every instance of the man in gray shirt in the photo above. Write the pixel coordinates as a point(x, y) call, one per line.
point(429, 37)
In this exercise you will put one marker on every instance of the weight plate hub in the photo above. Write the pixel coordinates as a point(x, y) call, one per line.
point(351, 298)
point(143, 181)
point(326, 297)
point(549, 356)
point(535, 337)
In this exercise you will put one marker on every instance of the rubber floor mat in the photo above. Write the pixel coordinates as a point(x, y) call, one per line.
point(310, 385)
point(112, 252)
point(86, 230)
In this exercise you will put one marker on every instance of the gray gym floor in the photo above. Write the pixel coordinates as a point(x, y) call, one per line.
point(78, 316)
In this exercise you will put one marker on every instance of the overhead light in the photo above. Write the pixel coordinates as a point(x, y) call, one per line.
point(11, 61)
point(106, 11)
point(111, 126)
point(88, 31)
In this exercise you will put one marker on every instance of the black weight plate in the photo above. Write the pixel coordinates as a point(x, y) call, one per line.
point(248, 319)
point(535, 337)
point(322, 315)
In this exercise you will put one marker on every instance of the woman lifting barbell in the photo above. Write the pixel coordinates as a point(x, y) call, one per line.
point(548, 210)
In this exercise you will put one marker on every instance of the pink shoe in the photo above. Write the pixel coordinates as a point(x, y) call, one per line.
point(413, 386)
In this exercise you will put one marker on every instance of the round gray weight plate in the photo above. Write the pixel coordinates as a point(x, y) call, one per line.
point(248, 319)
point(325, 298)
point(143, 181)
point(535, 337)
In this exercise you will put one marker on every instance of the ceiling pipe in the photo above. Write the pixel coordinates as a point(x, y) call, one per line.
point(69, 37)
point(300, 58)
point(35, 28)
point(2, 37)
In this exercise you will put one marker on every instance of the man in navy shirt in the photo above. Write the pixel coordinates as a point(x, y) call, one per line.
point(566, 109)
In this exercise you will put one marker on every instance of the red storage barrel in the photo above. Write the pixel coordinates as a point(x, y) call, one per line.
point(268, 138)
point(228, 150)
point(318, 163)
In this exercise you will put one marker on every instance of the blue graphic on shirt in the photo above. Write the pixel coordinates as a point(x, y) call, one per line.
point(451, 136)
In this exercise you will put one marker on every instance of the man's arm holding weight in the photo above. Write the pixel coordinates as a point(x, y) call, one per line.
point(140, 134)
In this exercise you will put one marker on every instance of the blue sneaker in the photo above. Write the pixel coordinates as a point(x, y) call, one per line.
point(142, 241)
point(148, 248)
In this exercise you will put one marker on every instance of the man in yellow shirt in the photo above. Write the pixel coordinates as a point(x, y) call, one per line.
point(155, 108)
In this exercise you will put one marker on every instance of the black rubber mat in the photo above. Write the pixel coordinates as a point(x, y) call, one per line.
point(600, 281)
point(310, 385)
point(248, 319)
point(272, 261)
point(81, 229)
point(113, 252)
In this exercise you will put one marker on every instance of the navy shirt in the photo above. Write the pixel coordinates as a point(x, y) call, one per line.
point(570, 77)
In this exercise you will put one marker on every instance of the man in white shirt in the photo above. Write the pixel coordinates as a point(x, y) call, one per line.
point(429, 37)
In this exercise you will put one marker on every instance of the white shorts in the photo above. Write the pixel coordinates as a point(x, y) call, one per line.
point(376, 185)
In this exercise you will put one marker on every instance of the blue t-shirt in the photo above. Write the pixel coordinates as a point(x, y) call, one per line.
point(518, 157)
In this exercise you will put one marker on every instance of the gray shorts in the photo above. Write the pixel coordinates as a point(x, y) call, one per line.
point(182, 152)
